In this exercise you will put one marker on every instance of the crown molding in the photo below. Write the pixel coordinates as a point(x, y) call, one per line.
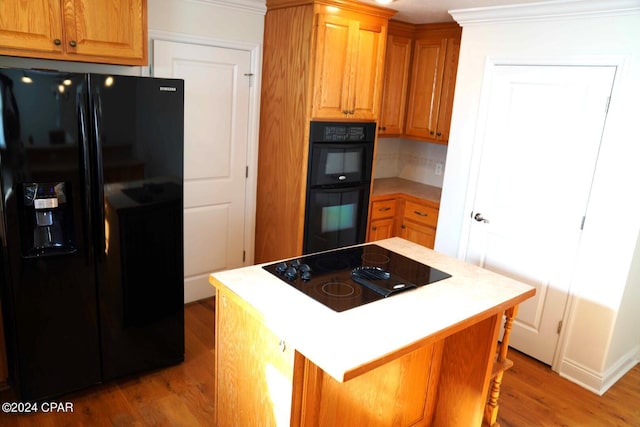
point(545, 11)
point(254, 6)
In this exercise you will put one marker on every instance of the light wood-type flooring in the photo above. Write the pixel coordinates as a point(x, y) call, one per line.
point(182, 395)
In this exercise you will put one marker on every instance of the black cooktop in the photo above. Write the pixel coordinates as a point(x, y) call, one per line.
point(347, 278)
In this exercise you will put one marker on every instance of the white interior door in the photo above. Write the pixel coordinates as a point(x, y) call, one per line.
point(215, 155)
point(539, 150)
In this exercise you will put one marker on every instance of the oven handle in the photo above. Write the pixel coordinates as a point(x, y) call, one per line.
point(339, 188)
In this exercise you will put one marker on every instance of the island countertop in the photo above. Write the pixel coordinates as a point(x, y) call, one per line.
point(350, 343)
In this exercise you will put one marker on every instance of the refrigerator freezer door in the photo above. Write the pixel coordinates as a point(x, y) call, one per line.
point(49, 285)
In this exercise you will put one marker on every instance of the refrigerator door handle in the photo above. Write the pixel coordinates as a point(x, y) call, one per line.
point(98, 182)
point(86, 174)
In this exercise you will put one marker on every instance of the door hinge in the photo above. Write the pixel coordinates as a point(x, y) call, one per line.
point(559, 327)
point(582, 223)
point(246, 172)
point(250, 75)
point(244, 256)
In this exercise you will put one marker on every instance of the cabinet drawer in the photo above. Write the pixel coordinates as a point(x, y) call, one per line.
point(421, 213)
point(383, 209)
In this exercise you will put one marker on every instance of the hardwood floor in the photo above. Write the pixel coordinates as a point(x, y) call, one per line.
point(533, 395)
point(182, 395)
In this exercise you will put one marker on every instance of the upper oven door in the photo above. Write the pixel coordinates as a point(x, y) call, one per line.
point(337, 164)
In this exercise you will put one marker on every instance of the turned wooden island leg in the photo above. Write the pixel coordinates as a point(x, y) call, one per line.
point(501, 365)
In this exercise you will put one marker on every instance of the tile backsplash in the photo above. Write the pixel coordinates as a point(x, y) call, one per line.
point(413, 160)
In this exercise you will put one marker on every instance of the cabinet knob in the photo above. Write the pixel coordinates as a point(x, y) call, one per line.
point(382, 128)
point(384, 209)
point(282, 345)
point(438, 133)
point(72, 43)
point(420, 213)
point(57, 42)
point(431, 132)
point(403, 226)
point(374, 228)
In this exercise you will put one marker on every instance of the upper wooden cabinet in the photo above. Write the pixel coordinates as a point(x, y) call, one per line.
point(431, 84)
point(396, 79)
point(348, 66)
point(104, 31)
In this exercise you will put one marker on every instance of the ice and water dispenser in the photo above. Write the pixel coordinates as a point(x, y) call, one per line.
point(47, 219)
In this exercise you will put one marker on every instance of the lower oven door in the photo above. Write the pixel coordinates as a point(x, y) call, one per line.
point(335, 217)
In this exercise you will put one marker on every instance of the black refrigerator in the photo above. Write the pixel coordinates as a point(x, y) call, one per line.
point(91, 273)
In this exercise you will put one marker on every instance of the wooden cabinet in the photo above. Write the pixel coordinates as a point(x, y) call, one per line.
point(404, 217)
point(431, 83)
point(319, 59)
point(246, 350)
point(435, 63)
point(348, 66)
point(396, 79)
point(419, 224)
point(260, 377)
point(105, 31)
point(382, 219)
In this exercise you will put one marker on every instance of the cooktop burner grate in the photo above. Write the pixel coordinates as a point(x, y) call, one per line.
point(347, 278)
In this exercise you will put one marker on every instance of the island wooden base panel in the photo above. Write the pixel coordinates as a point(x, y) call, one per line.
point(443, 382)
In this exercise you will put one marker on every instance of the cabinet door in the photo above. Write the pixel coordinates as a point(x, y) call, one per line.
point(106, 28)
point(348, 68)
point(418, 233)
point(448, 88)
point(254, 367)
point(381, 229)
point(426, 84)
point(34, 25)
point(366, 71)
point(394, 88)
point(333, 62)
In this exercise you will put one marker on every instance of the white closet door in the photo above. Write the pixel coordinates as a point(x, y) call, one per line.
point(215, 156)
point(539, 151)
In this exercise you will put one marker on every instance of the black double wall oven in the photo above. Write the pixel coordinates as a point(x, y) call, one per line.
point(338, 184)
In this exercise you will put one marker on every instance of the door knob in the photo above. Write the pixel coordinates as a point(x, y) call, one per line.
point(478, 217)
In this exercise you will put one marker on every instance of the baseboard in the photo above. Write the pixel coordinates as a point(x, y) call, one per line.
point(197, 288)
point(599, 382)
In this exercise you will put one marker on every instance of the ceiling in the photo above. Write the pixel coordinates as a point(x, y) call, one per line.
point(428, 11)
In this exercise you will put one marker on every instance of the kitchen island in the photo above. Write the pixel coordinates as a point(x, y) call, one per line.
point(421, 357)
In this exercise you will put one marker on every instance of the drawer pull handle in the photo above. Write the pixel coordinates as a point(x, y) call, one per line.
point(420, 213)
point(384, 209)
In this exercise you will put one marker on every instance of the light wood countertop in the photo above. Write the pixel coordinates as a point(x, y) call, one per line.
point(399, 187)
point(353, 342)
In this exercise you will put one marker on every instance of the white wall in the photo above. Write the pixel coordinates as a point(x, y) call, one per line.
point(598, 343)
point(237, 20)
